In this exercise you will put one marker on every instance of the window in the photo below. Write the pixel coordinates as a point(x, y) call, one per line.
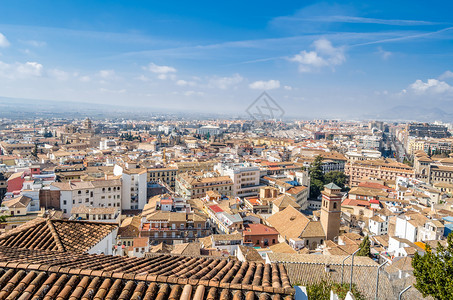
point(64, 202)
point(335, 205)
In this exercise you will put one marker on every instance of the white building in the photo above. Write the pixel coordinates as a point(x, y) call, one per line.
point(96, 193)
point(107, 144)
point(408, 226)
point(134, 186)
point(364, 154)
point(372, 142)
point(377, 225)
point(212, 130)
point(245, 177)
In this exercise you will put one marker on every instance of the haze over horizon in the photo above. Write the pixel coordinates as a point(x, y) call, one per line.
point(319, 59)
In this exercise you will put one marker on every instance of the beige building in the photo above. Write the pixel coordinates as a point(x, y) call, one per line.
point(378, 169)
point(174, 227)
point(194, 185)
point(434, 171)
point(165, 175)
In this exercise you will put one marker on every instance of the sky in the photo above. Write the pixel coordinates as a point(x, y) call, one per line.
point(315, 59)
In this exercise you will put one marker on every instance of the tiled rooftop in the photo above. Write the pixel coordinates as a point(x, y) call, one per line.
point(57, 235)
point(84, 276)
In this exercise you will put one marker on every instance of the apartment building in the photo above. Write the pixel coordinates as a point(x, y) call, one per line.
point(95, 193)
point(134, 186)
point(432, 170)
point(194, 185)
point(174, 227)
point(8, 148)
point(196, 166)
point(363, 155)
point(378, 169)
point(163, 175)
point(245, 177)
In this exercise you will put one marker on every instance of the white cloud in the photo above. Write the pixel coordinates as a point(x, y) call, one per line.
point(193, 93)
point(106, 73)
point(446, 75)
point(383, 54)
point(224, 83)
point(166, 76)
point(432, 86)
point(21, 70)
point(34, 43)
point(85, 78)
point(324, 55)
point(3, 41)
point(265, 85)
point(143, 78)
point(186, 83)
point(288, 88)
point(58, 74)
point(160, 69)
point(121, 91)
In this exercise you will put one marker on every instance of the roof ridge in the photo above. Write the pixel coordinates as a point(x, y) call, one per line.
point(55, 235)
point(22, 227)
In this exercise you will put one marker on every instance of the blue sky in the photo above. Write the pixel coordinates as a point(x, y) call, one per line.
point(323, 59)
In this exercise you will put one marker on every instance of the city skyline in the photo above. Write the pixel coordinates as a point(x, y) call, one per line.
point(325, 60)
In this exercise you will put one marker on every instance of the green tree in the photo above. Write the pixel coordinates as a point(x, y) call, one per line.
point(434, 271)
point(337, 177)
point(321, 290)
point(407, 162)
point(365, 247)
point(316, 177)
point(34, 152)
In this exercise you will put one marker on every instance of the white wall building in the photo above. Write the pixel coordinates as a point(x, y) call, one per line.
point(105, 245)
point(245, 177)
point(212, 130)
point(134, 186)
point(96, 193)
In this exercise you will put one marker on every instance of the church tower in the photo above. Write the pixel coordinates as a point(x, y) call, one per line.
point(331, 210)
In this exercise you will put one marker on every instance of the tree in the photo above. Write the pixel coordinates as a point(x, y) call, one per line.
point(407, 162)
point(434, 271)
point(365, 247)
point(34, 152)
point(337, 177)
point(321, 290)
point(316, 177)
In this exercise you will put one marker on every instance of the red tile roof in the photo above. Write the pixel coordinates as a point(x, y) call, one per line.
point(215, 208)
point(259, 229)
point(35, 273)
point(57, 235)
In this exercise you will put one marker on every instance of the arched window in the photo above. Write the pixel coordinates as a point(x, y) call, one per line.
point(334, 205)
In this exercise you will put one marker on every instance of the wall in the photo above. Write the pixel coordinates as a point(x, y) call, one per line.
point(105, 245)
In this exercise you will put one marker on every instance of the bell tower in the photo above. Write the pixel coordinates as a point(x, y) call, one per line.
point(331, 210)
